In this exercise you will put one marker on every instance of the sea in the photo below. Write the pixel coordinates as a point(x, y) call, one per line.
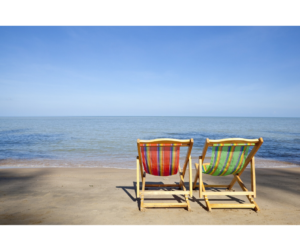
point(110, 142)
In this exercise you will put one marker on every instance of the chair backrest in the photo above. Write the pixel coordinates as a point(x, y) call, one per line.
point(160, 157)
point(229, 156)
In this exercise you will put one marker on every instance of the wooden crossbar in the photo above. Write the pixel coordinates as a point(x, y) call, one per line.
point(183, 143)
point(227, 193)
point(165, 205)
point(163, 192)
point(162, 185)
point(211, 142)
point(232, 205)
point(214, 186)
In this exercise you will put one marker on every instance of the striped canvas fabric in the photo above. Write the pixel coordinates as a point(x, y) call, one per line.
point(227, 159)
point(160, 159)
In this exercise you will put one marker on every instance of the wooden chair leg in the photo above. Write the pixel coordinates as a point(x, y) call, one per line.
point(253, 179)
point(251, 200)
point(187, 202)
point(184, 189)
point(196, 177)
point(186, 199)
point(143, 190)
point(190, 177)
point(200, 177)
point(206, 199)
point(137, 178)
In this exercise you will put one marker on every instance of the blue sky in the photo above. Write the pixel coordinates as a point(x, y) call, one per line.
point(149, 71)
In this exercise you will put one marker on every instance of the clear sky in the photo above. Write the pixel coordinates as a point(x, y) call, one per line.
point(148, 71)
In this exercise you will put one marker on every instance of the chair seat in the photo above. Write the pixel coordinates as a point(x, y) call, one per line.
point(160, 159)
point(227, 159)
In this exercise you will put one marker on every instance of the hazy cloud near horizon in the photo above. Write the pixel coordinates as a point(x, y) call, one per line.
point(148, 71)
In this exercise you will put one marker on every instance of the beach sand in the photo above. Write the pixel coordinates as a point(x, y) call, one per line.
point(97, 196)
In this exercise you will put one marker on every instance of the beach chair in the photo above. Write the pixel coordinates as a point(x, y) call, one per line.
point(160, 157)
point(229, 157)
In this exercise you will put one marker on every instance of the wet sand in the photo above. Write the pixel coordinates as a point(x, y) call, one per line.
point(97, 196)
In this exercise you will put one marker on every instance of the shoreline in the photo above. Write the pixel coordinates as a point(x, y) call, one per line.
point(107, 196)
point(128, 165)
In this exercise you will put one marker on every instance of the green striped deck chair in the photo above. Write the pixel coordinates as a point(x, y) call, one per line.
point(229, 157)
point(160, 157)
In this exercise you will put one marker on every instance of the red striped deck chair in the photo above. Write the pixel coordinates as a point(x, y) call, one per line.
point(229, 157)
point(160, 157)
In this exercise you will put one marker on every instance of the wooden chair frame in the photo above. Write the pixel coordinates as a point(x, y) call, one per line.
point(140, 172)
point(250, 159)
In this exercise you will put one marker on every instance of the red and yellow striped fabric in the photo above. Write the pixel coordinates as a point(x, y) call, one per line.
point(160, 159)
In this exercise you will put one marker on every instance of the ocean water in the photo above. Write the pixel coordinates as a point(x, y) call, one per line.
point(111, 141)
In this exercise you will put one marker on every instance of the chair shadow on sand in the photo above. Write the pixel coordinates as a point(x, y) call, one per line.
point(138, 200)
point(201, 202)
point(179, 199)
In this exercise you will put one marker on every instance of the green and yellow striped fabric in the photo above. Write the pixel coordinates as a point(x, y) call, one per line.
point(227, 159)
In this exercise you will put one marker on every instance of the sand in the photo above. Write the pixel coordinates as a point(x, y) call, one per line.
point(102, 196)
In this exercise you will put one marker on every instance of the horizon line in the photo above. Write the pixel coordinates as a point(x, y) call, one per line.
point(10, 116)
